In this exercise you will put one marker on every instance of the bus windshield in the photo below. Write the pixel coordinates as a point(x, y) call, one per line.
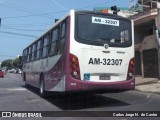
point(98, 30)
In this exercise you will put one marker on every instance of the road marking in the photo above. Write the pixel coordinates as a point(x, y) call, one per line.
point(16, 89)
point(32, 100)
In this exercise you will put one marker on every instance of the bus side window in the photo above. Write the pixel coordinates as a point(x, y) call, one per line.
point(37, 52)
point(29, 54)
point(45, 46)
point(33, 52)
point(62, 38)
point(26, 57)
point(54, 40)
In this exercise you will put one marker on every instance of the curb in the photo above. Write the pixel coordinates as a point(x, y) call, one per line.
point(153, 87)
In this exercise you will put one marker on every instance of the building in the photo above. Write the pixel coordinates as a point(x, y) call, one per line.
point(147, 47)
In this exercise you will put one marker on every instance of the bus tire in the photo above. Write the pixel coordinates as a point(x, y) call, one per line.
point(41, 87)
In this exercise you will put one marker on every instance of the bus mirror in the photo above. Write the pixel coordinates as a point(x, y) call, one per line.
point(158, 36)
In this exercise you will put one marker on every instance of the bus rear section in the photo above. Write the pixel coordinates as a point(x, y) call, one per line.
point(101, 52)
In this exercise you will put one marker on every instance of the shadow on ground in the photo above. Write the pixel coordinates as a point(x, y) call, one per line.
point(79, 100)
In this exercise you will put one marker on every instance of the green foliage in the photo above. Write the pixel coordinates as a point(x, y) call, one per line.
point(16, 62)
point(11, 63)
point(7, 63)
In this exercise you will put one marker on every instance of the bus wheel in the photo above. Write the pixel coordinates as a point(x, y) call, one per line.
point(41, 87)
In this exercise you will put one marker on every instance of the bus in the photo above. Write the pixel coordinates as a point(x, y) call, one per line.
point(83, 51)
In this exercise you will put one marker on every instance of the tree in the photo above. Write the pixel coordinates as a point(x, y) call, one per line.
point(7, 63)
point(17, 63)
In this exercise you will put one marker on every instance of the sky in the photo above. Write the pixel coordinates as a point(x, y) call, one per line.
point(22, 21)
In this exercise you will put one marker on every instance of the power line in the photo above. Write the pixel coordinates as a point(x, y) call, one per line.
point(33, 24)
point(43, 14)
point(6, 56)
point(18, 34)
point(93, 5)
point(37, 30)
point(26, 25)
point(4, 36)
point(58, 5)
point(31, 11)
point(19, 8)
point(35, 14)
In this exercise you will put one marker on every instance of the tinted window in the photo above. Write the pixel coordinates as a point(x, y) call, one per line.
point(39, 44)
point(38, 50)
point(62, 38)
point(30, 49)
point(34, 47)
point(54, 42)
point(38, 54)
point(100, 29)
point(29, 54)
point(63, 29)
point(54, 35)
point(46, 40)
point(44, 52)
point(33, 51)
point(45, 46)
point(61, 45)
point(53, 49)
point(25, 55)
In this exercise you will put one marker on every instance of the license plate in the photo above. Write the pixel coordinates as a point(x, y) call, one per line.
point(104, 77)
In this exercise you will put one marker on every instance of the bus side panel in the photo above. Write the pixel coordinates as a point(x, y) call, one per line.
point(73, 84)
point(31, 77)
point(55, 78)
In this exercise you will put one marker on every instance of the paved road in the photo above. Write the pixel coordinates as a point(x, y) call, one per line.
point(15, 97)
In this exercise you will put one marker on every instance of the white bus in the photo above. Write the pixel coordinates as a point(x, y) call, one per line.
point(84, 50)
